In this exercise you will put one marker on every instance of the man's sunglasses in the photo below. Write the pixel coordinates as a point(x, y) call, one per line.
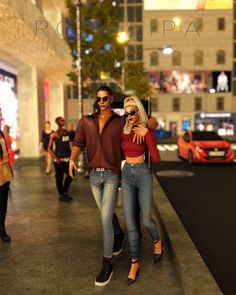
point(131, 114)
point(102, 99)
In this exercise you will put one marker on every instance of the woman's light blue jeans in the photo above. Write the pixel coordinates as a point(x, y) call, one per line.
point(104, 185)
point(136, 186)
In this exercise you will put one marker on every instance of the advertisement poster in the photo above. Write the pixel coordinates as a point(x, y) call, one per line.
point(180, 81)
point(221, 81)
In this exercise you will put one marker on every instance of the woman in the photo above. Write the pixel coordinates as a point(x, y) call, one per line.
point(9, 140)
point(6, 176)
point(44, 144)
point(136, 181)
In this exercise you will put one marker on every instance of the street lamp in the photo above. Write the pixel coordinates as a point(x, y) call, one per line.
point(120, 65)
point(78, 62)
point(81, 160)
point(122, 38)
point(166, 50)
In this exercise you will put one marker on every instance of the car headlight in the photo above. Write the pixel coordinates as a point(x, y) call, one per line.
point(198, 148)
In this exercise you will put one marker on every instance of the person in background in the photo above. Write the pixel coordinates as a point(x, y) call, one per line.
point(6, 176)
point(61, 156)
point(45, 137)
point(136, 181)
point(9, 140)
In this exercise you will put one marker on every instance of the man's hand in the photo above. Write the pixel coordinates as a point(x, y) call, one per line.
point(72, 168)
point(140, 131)
point(152, 123)
point(75, 152)
point(58, 161)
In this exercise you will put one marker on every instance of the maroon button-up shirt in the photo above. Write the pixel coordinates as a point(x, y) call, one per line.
point(103, 150)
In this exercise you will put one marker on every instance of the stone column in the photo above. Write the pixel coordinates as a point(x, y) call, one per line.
point(31, 109)
point(57, 101)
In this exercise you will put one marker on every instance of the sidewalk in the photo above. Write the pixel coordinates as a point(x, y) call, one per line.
point(57, 247)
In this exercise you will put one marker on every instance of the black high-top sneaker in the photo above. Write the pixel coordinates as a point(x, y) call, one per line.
point(119, 241)
point(106, 273)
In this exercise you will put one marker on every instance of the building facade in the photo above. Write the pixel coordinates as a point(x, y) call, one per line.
point(131, 22)
point(196, 77)
point(34, 61)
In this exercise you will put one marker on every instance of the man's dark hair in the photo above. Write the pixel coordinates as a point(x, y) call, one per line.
point(105, 88)
point(58, 118)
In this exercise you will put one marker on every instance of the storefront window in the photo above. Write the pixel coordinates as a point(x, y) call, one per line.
point(9, 103)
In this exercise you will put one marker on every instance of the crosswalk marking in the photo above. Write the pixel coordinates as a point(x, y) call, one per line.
point(167, 147)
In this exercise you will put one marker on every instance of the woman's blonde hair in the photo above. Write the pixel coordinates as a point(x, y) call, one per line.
point(134, 101)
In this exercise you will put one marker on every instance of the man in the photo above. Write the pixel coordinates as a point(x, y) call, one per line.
point(100, 134)
point(61, 156)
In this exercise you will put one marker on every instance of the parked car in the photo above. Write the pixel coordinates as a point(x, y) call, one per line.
point(204, 146)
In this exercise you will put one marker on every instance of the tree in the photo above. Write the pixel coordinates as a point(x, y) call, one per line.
point(136, 79)
point(99, 47)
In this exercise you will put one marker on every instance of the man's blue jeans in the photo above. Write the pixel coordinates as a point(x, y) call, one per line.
point(104, 185)
point(136, 186)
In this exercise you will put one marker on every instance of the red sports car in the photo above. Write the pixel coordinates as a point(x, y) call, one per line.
point(204, 146)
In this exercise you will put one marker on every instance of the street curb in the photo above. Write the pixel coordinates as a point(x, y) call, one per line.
point(192, 271)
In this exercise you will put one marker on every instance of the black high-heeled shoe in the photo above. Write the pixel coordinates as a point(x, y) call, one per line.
point(157, 256)
point(130, 281)
point(5, 238)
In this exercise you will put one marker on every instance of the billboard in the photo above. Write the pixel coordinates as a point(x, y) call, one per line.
point(221, 81)
point(190, 4)
point(180, 81)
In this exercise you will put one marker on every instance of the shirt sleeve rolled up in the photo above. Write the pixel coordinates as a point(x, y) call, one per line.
point(80, 138)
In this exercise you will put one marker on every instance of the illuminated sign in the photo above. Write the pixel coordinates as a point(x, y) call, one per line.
point(190, 4)
point(215, 115)
point(222, 123)
point(8, 103)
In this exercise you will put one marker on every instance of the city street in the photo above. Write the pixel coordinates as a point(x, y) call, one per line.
point(205, 203)
point(56, 247)
point(60, 61)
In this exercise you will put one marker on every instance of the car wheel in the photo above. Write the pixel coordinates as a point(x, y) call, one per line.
point(190, 158)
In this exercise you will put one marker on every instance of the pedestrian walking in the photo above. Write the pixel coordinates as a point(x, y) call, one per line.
point(61, 155)
point(6, 176)
point(136, 181)
point(9, 141)
point(100, 134)
point(45, 137)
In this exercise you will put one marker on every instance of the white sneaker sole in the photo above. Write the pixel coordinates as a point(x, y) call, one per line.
point(99, 284)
